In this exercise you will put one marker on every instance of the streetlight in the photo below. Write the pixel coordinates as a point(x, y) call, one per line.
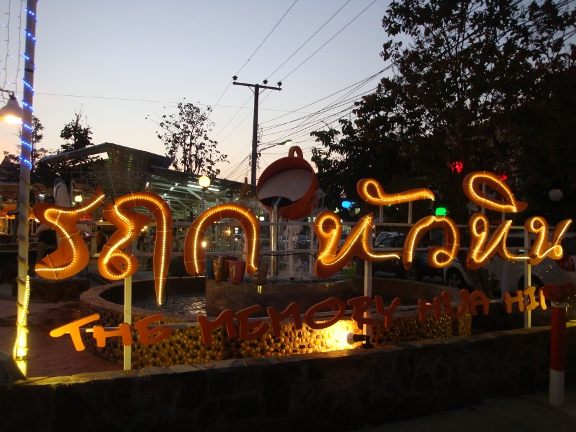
point(11, 113)
point(266, 147)
point(204, 182)
point(287, 142)
point(555, 195)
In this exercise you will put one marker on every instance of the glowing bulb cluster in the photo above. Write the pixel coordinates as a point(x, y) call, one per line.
point(332, 259)
point(115, 264)
point(472, 186)
point(438, 256)
point(372, 192)
point(72, 255)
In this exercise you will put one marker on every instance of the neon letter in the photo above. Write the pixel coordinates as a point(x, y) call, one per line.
point(373, 193)
point(246, 328)
point(129, 226)
point(123, 330)
point(438, 256)
point(361, 305)
point(72, 255)
point(193, 250)
point(464, 294)
point(478, 298)
point(424, 307)
point(471, 186)
point(330, 259)
point(386, 313)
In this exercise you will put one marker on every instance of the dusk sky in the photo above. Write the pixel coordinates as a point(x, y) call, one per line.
point(119, 62)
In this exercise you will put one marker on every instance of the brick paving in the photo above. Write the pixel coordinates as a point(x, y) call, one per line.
point(48, 356)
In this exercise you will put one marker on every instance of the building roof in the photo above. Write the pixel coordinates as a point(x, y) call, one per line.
point(129, 170)
point(120, 158)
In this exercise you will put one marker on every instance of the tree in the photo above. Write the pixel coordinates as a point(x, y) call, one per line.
point(548, 152)
point(35, 155)
point(185, 137)
point(78, 136)
point(461, 71)
point(470, 77)
point(355, 152)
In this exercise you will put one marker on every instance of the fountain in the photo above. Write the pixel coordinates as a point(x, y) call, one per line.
point(260, 297)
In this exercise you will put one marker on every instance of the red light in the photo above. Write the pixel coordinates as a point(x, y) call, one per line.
point(503, 176)
point(456, 166)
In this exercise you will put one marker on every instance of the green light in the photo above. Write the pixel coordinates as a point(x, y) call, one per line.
point(441, 211)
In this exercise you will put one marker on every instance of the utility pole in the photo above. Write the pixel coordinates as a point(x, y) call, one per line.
point(257, 88)
point(20, 353)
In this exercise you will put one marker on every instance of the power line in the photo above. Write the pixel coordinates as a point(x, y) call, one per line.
point(230, 121)
point(323, 110)
point(323, 121)
point(355, 85)
point(252, 55)
point(328, 41)
point(17, 20)
point(266, 38)
point(148, 100)
point(342, 29)
point(307, 123)
point(308, 40)
point(234, 169)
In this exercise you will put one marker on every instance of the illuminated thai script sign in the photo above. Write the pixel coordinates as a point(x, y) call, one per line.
point(71, 257)
point(114, 264)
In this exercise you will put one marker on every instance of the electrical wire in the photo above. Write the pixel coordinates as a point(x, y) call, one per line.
point(330, 95)
point(328, 41)
point(20, 56)
point(332, 106)
point(309, 39)
point(230, 121)
point(252, 55)
point(313, 122)
point(8, 56)
point(308, 122)
point(297, 132)
point(309, 57)
point(7, 46)
point(266, 38)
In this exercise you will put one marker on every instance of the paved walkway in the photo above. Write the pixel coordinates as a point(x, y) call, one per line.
point(57, 357)
point(48, 356)
point(527, 413)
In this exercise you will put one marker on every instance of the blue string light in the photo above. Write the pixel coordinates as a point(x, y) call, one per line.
point(26, 162)
point(28, 86)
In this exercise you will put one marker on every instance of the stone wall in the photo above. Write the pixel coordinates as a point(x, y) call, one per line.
point(54, 291)
point(335, 391)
